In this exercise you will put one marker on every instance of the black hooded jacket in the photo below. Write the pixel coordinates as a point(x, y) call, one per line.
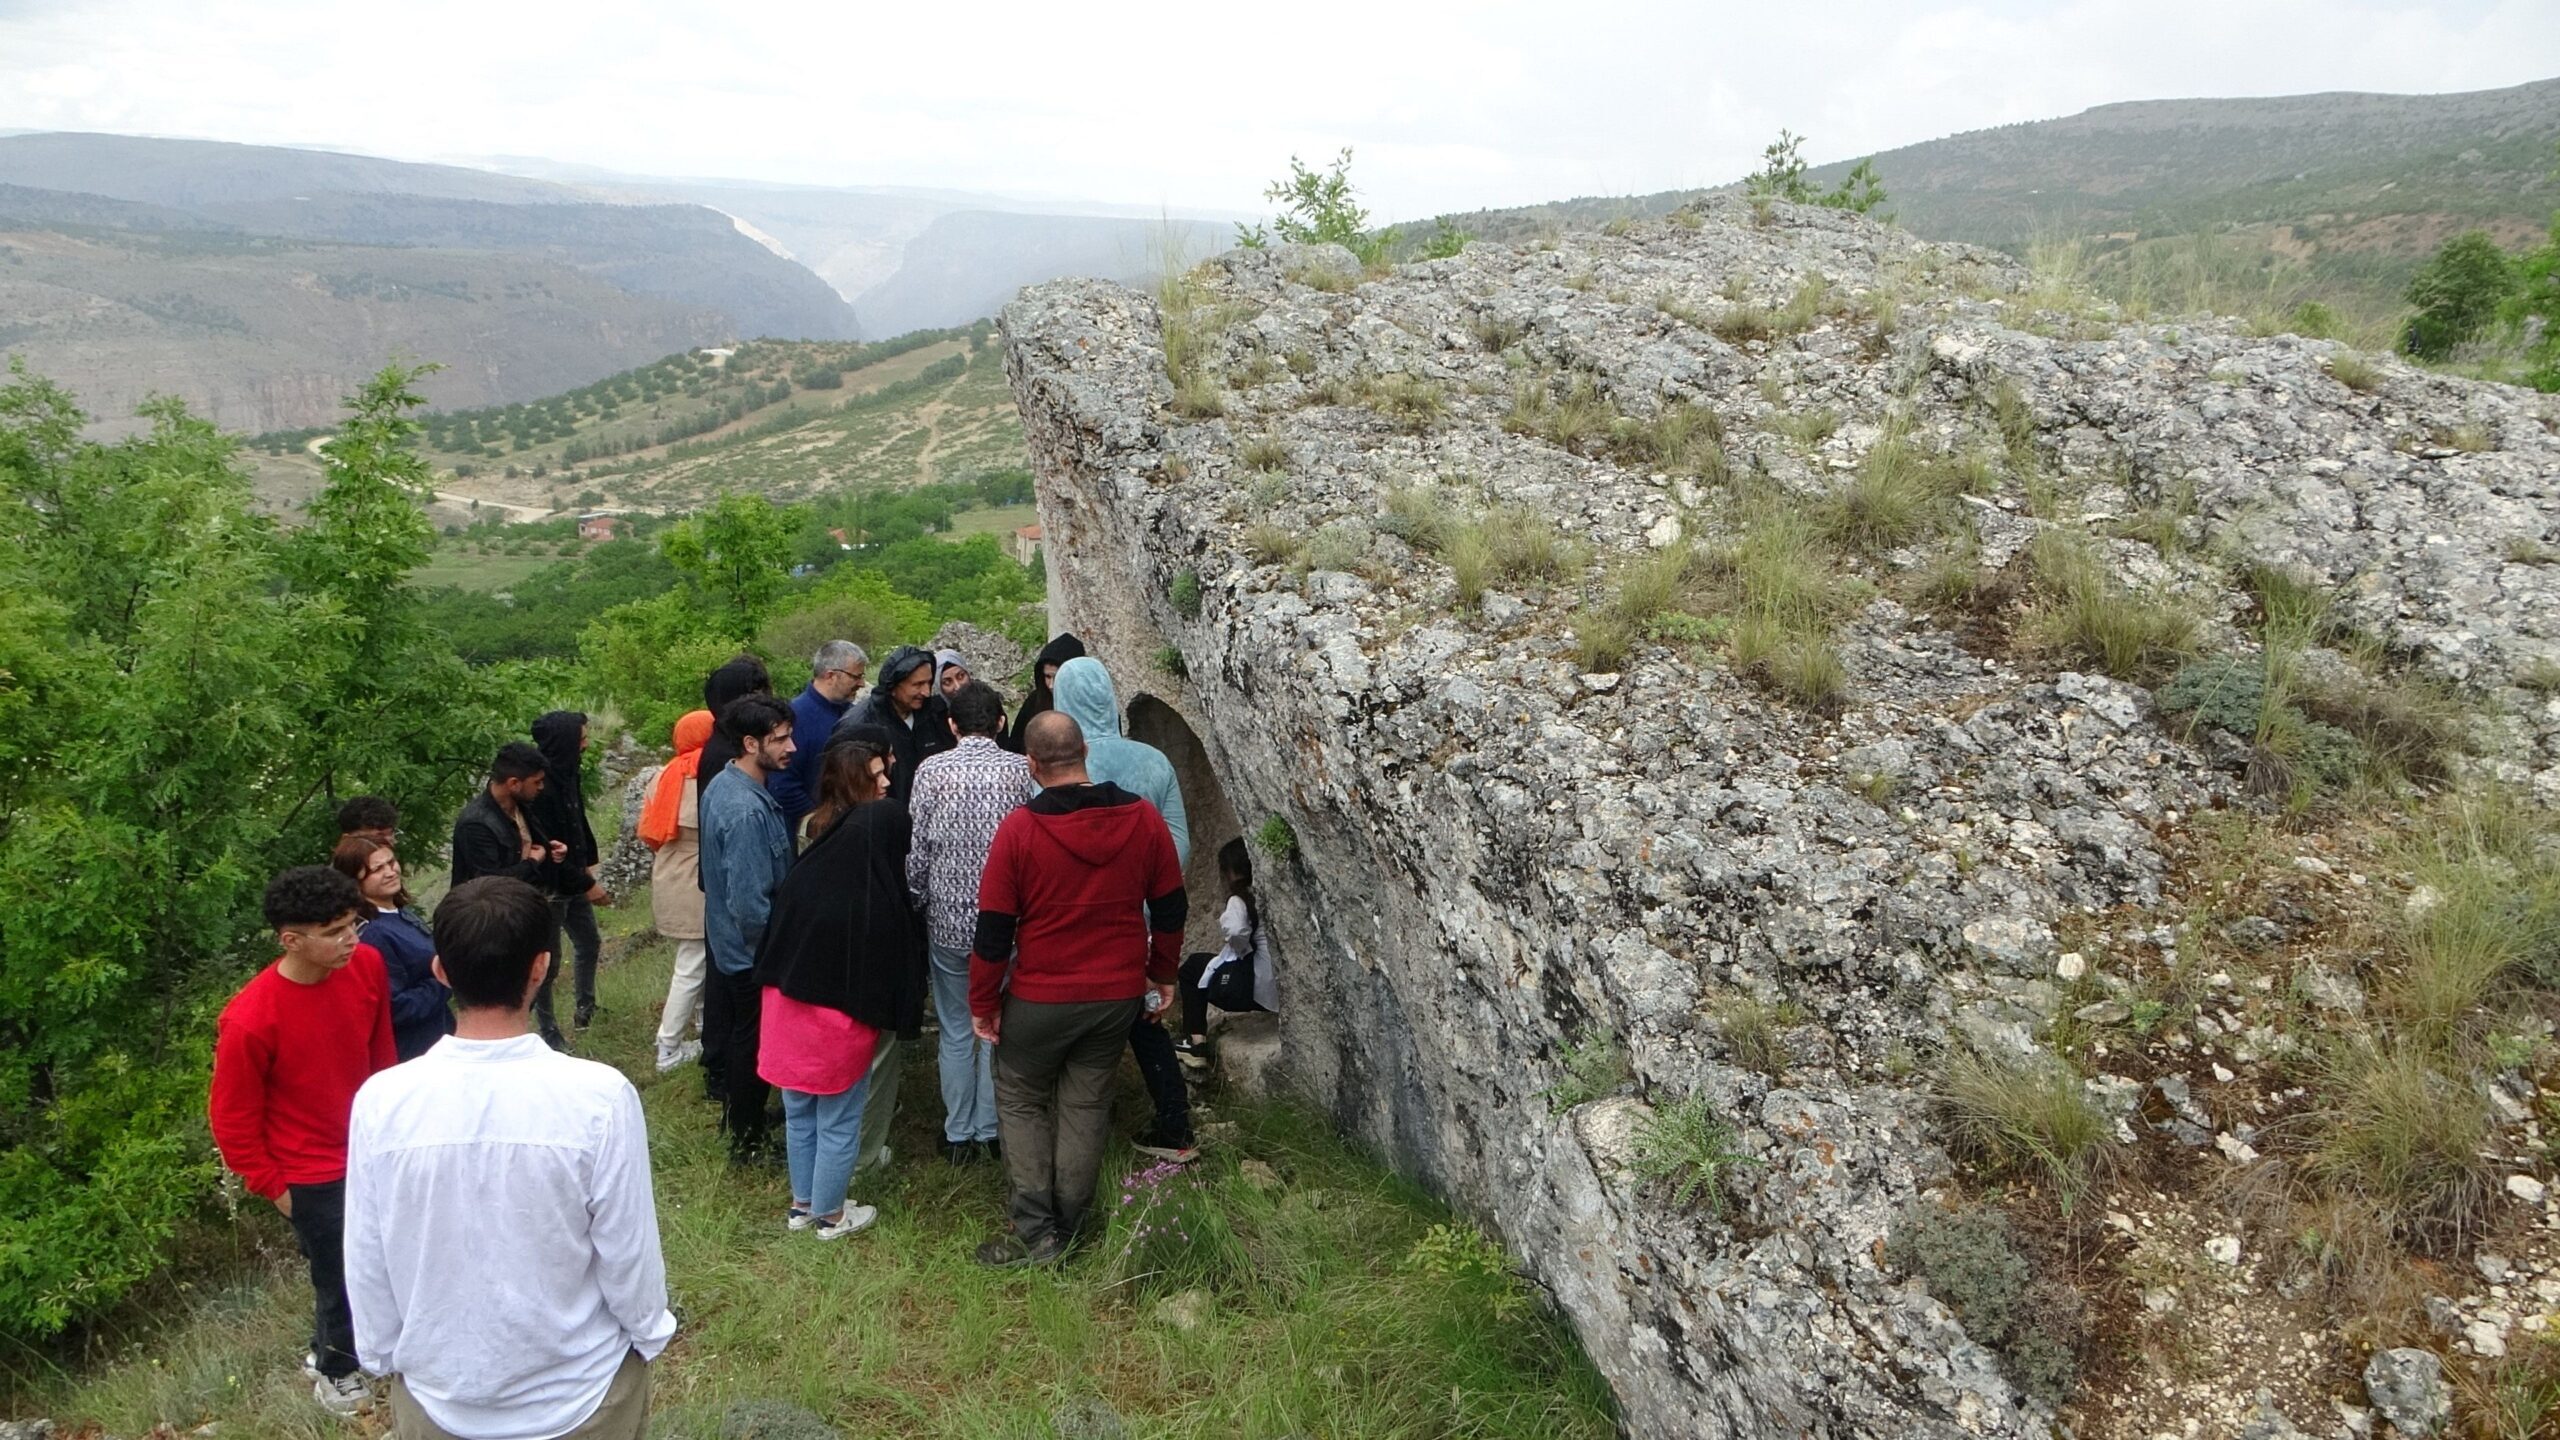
point(560, 812)
point(843, 933)
point(912, 743)
point(1059, 651)
point(743, 676)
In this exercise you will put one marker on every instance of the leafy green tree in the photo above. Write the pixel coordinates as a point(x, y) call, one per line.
point(1781, 172)
point(734, 556)
point(2458, 293)
point(1781, 176)
point(2537, 297)
point(183, 693)
point(1445, 241)
point(1320, 208)
point(649, 657)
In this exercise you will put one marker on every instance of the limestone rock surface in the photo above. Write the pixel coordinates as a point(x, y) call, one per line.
point(1492, 856)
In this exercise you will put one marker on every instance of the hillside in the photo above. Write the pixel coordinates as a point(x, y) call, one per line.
point(255, 332)
point(2361, 185)
point(786, 419)
point(258, 282)
point(969, 264)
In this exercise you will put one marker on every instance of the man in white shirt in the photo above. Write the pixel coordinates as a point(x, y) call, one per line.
point(502, 1242)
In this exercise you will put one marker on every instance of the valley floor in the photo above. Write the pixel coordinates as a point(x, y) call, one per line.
point(1359, 1312)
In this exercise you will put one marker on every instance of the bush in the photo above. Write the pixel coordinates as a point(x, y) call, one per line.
point(1184, 594)
point(1968, 1258)
point(2457, 292)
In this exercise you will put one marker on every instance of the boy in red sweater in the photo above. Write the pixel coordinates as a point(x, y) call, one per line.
point(1083, 893)
point(288, 1055)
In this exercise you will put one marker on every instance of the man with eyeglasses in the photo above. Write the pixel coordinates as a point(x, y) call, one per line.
point(835, 677)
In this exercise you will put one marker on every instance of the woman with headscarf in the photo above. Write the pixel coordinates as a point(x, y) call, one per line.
point(671, 826)
point(840, 978)
point(950, 672)
point(1044, 677)
point(560, 813)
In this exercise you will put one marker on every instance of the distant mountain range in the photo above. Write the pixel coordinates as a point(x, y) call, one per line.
point(261, 283)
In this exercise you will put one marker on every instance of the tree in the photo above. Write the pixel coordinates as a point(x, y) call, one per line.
point(1320, 208)
point(1781, 172)
point(184, 692)
point(735, 557)
point(1781, 176)
point(2457, 293)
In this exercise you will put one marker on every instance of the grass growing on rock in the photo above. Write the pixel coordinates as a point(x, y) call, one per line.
point(2082, 615)
point(2026, 1117)
point(1687, 1146)
point(1509, 545)
point(1317, 1317)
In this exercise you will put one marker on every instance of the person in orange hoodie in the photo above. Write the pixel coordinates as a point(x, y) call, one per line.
point(671, 826)
point(289, 1054)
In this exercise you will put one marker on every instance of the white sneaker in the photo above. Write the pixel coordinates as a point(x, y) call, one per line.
point(682, 1053)
point(855, 1217)
point(310, 1364)
point(799, 1218)
point(345, 1395)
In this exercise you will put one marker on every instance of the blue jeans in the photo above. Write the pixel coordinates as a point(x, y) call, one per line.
point(967, 1062)
point(823, 1134)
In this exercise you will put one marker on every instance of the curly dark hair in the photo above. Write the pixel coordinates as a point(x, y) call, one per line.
point(309, 896)
point(368, 812)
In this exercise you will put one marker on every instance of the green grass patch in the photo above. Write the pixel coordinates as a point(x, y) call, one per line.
point(1341, 1301)
point(2084, 616)
point(2028, 1117)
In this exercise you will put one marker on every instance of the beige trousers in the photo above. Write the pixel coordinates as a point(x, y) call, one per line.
point(624, 1415)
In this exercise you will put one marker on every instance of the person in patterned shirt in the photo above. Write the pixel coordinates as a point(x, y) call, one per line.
point(960, 796)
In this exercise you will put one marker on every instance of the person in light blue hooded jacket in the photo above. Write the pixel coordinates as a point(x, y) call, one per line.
point(1084, 692)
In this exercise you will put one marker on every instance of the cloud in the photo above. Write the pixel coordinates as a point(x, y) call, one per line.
point(1158, 103)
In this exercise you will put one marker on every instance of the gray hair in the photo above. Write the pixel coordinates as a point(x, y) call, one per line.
point(838, 655)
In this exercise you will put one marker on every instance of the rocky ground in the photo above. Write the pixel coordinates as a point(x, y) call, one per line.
point(1750, 700)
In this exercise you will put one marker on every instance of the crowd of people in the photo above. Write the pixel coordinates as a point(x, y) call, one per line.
point(835, 871)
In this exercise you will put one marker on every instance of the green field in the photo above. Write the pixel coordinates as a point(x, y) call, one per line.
point(1000, 522)
point(472, 571)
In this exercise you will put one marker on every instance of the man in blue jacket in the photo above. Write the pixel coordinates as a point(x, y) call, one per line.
point(745, 850)
point(835, 677)
point(1085, 692)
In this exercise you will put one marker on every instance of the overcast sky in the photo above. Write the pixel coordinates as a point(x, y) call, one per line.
point(1199, 105)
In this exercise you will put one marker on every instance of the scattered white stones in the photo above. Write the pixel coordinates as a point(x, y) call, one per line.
point(2485, 1339)
point(2525, 1188)
point(2234, 1149)
point(2223, 1250)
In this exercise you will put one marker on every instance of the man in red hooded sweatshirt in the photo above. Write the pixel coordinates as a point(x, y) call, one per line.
point(1083, 893)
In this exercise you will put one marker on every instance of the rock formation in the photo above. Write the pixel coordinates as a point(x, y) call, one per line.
point(1495, 855)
